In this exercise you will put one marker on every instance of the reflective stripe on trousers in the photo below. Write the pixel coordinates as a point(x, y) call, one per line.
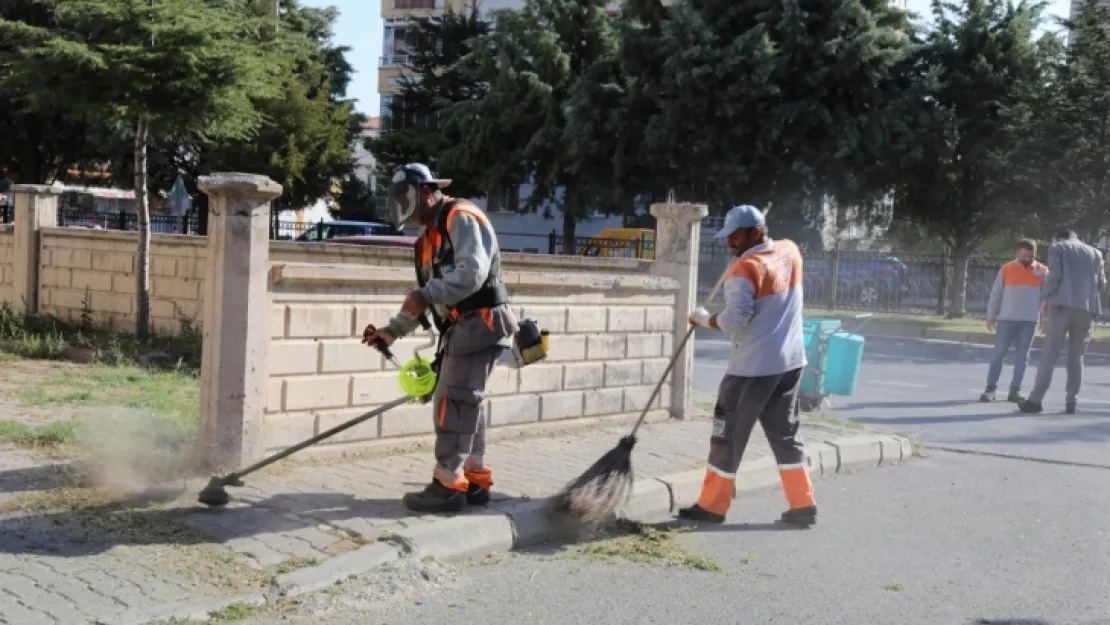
point(742, 401)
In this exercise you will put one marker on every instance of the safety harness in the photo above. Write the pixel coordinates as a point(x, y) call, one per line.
point(434, 250)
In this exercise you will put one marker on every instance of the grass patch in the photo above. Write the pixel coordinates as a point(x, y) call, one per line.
point(292, 565)
point(894, 587)
point(42, 336)
point(235, 612)
point(645, 544)
point(25, 435)
point(170, 398)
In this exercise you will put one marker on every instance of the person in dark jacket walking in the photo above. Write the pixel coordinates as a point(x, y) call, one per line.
point(1070, 300)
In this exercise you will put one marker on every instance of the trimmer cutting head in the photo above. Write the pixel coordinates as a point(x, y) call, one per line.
point(214, 495)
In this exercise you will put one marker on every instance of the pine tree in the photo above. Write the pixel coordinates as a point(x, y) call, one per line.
point(535, 60)
point(773, 102)
point(434, 80)
point(981, 63)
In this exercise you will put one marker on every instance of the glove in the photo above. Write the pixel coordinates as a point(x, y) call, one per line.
point(700, 317)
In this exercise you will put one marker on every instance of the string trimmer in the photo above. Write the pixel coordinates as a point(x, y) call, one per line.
point(417, 380)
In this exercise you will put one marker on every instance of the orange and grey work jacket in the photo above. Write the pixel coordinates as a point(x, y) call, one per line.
point(1016, 294)
point(763, 311)
point(458, 268)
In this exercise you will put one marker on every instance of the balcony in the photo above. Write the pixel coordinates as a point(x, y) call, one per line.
point(417, 4)
point(393, 60)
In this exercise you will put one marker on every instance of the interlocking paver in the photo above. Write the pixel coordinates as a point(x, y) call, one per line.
point(76, 567)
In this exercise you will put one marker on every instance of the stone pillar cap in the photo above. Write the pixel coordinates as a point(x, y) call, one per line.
point(41, 189)
point(255, 185)
point(682, 212)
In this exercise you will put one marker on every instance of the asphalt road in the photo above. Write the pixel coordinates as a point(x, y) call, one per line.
point(931, 389)
point(1012, 529)
point(949, 539)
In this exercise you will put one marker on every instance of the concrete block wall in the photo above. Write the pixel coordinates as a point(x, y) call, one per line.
point(611, 338)
point(97, 269)
point(7, 268)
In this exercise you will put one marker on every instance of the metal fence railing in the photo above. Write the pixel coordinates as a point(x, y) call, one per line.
point(7, 212)
point(880, 281)
point(128, 221)
point(599, 247)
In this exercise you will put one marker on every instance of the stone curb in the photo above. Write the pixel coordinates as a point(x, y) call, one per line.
point(889, 330)
point(527, 523)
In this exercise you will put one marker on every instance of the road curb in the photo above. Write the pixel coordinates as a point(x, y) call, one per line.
point(887, 330)
point(527, 523)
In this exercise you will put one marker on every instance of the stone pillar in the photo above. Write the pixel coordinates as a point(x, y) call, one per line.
point(677, 241)
point(36, 207)
point(236, 314)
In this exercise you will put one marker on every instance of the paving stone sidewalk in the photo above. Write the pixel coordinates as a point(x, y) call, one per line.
point(76, 567)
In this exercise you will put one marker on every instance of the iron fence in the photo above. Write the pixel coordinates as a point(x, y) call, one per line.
point(877, 281)
point(7, 212)
point(603, 247)
point(128, 221)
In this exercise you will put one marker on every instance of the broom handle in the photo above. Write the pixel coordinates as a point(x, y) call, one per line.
point(678, 352)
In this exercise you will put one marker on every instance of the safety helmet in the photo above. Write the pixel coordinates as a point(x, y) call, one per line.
point(404, 190)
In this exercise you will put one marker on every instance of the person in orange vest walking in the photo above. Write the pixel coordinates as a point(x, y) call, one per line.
point(763, 316)
point(1012, 314)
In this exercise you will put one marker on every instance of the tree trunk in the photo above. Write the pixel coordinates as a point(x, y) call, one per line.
point(957, 307)
point(570, 226)
point(142, 257)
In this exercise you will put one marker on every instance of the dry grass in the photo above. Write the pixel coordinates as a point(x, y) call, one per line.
point(643, 544)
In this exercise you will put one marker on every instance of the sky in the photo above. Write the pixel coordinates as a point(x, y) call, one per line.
point(360, 28)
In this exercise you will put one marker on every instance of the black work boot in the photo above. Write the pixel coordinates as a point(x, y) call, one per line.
point(1069, 408)
point(435, 498)
point(476, 495)
point(1015, 396)
point(800, 517)
point(700, 514)
point(1030, 406)
point(988, 395)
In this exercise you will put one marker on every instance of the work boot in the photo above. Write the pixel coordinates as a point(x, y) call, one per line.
point(988, 395)
point(1069, 408)
point(1030, 406)
point(800, 517)
point(435, 498)
point(1015, 396)
point(477, 496)
point(700, 514)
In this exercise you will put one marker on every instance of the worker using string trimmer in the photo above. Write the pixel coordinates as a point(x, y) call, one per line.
point(458, 270)
point(763, 316)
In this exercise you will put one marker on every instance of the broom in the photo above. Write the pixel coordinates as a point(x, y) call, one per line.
point(596, 494)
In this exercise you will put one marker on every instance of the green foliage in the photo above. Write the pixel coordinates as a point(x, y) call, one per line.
point(763, 101)
point(436, 78)
point(181, 64)
point(356, 201)
point(1066, 148)
point(980, 64)
point(540, 63)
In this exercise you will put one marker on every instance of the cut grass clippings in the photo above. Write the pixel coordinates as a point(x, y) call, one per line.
point(645, 544)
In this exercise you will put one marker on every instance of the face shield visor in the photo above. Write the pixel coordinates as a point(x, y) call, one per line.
point(402, 199)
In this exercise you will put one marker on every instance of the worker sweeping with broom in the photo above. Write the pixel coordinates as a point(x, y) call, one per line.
point(763, 316)
point(458, 270)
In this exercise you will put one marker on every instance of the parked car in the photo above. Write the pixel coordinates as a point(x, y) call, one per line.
point(329, 230)
point(865, 279)
point(375, 239)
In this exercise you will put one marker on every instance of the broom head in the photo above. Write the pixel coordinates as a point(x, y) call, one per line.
point(601, 490)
